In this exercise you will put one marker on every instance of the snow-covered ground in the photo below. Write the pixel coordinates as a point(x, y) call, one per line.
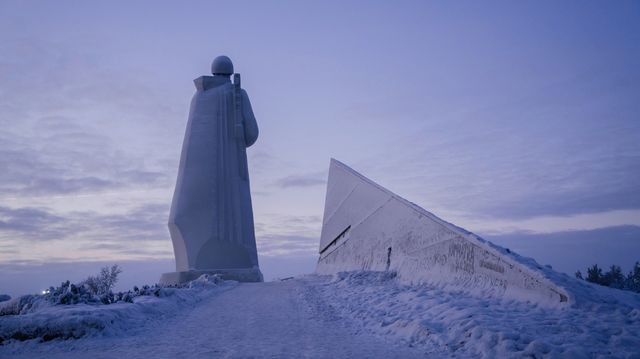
point(357, 314)
point(602, 322)
point(45, 321)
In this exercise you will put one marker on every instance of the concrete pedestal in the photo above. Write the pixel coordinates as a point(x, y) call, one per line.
point(241, 275)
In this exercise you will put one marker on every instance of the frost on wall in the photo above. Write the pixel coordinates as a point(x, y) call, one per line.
point(367, 227)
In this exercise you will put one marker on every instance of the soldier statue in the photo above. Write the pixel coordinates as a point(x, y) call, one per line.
point(211, 218)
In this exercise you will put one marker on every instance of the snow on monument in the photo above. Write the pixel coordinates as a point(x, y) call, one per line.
point(211, 219)
point(367, 227)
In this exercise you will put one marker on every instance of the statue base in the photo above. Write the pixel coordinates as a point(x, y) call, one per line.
point(241, 275)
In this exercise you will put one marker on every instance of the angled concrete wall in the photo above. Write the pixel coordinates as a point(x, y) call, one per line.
point(367, 227)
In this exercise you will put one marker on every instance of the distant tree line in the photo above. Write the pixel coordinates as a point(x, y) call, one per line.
point(614, 278)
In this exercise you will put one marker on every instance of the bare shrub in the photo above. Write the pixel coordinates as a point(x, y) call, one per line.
point(104, 282)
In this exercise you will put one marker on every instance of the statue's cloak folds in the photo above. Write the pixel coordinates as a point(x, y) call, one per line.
point(211, 219)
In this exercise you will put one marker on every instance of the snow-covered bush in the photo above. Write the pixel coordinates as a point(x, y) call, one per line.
point(98, 292)
point(93, 290)
point(18, 305)
point(66, 293)
point(4, 297)
point(52, 315)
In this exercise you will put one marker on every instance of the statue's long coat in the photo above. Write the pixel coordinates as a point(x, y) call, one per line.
point(211, 220)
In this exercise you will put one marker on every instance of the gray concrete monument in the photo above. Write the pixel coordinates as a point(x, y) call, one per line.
point(211, 219)
point(367, 227)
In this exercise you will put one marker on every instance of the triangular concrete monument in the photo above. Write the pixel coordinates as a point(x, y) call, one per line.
point(367, 227)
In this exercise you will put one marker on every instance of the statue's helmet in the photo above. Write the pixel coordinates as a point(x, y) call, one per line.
point(222, 65)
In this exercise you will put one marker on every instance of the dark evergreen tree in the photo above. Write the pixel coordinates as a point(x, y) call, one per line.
point(632, 282)
point(594, 275)
point(614, 277)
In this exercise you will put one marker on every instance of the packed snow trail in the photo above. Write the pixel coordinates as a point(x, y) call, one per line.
point(261, 320)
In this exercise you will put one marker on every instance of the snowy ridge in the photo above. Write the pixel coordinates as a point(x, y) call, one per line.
point(430, 249)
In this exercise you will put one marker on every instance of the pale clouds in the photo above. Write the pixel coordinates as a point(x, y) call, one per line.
point(146, 222)
point(556, 151)
point(287, 245)
point(305, 180)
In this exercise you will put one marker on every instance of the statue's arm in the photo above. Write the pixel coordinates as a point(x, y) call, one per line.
point(250, 124)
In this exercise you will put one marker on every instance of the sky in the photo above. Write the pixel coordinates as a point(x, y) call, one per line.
point(517, 121)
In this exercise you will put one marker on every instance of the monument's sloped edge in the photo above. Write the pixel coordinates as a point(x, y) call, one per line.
point(498, 250)
point(516, 276)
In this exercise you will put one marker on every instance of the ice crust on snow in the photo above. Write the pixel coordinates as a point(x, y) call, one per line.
point(367, 227)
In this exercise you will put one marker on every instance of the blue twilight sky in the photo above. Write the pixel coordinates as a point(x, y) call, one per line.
point(516, 120)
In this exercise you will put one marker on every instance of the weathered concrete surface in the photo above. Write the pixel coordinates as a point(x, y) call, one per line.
point(211, 218)
point(365, 226)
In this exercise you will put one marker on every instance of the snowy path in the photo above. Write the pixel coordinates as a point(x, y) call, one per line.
point(272, 320)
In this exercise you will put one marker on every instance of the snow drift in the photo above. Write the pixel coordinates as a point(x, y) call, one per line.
point(600, 323)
